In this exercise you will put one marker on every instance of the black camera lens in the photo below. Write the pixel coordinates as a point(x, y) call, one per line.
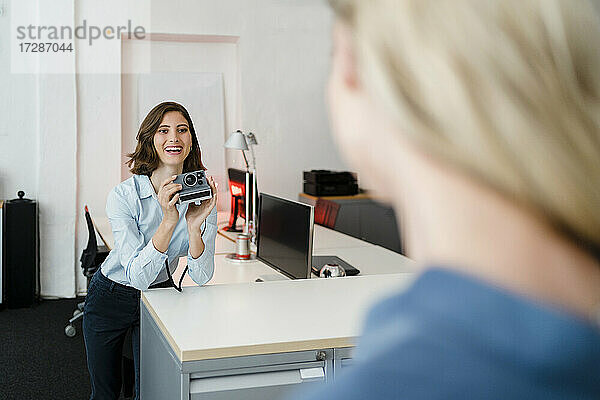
point(190, 179)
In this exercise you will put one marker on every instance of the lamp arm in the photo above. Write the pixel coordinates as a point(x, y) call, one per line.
point(254, 193)
point(253, 156)
point(246, 161)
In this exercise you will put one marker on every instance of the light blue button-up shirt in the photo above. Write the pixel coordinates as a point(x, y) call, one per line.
point(135, 214)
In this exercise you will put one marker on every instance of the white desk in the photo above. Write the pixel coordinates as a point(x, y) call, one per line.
point(325, 238)
point(238, 339)
point(370, 260)
point(264, 318)
point(253, 340)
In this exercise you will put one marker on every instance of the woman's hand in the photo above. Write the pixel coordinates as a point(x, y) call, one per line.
point(196, 215)
point(167, 197)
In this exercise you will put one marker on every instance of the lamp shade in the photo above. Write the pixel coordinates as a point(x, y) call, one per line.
point(237, 141)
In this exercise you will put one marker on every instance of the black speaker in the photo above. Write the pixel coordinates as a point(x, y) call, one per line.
point(2, 277)
point(20, 252)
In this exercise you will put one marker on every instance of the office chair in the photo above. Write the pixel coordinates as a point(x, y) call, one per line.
point(91, 259)
point(326, 212)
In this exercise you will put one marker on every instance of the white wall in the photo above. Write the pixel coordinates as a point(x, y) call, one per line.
point(38, 148)
point(60, 135)
point(18, 123)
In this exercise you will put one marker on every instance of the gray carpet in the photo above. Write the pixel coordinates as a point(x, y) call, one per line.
point(37, 360)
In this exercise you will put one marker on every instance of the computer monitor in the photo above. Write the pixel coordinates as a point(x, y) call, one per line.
point(285, 235)
point(237, 189)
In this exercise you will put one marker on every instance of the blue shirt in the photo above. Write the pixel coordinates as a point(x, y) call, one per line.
point(450, 336)
point(134, 213)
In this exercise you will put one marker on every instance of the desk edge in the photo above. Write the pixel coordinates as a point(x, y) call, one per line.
point(267, 348)
point(249, 350)
point(162, 327)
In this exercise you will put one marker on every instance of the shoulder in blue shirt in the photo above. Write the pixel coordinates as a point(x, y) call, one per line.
point(450, 336)
point(134, 213)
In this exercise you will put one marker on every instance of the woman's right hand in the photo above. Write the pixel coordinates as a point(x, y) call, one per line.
point(168, 197)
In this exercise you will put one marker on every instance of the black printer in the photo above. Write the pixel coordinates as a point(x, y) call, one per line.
point(321, 182)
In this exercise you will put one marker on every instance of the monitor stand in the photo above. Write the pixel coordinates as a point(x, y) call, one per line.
point(271, 278)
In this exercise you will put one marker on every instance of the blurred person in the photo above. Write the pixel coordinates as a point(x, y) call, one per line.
point(479, 120)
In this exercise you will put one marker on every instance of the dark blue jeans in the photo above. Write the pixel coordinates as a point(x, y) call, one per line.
point(111, 309)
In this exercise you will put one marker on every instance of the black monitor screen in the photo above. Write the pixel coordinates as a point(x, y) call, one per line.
point(285, 235)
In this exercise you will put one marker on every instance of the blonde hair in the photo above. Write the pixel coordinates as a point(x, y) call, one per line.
point(507, 90)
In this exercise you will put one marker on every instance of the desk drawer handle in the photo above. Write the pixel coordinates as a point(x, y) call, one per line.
point(312, 374)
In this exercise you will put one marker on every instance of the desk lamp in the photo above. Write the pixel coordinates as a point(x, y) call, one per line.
point(240, 141)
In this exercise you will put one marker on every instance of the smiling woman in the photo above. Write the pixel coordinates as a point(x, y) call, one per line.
point(151, 231)
point(145, 159)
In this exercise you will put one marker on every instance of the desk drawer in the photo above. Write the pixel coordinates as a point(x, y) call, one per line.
point(267, 376)
point(342, 359)
point(256, 385)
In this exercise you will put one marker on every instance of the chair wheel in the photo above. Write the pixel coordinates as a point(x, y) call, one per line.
point(76, 313)
point(70, 330)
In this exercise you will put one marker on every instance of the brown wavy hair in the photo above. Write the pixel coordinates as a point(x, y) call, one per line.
point(145, 158)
